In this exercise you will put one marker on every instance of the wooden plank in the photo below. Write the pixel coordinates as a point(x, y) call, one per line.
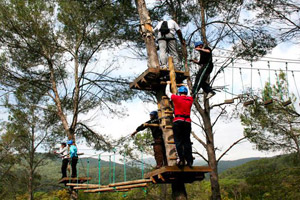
point(229, 101)
point(130, 182)
point(286, 103)
point(152, 179)
point(74, 180)
point(171, 142)
point(267, 102)
point(161, 178)
point(248, 103)
point(140, 77)
point(168, 127)
point(175, 169)
point(86, 185)
point(89, 187)
point(151, 125)
point(116, 188)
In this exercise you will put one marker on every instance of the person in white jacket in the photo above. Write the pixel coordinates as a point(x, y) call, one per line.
point(63, 152)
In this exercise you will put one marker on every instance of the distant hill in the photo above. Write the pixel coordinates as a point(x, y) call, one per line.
point(246, 168)
point(223, 164)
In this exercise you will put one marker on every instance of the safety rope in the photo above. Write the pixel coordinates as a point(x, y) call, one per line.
point(296, 84)
point(242, 80)
point(109, 171)
point(114, 166)
point(232, 78)
point(88, 170)
point(279, 86)
point(287, 79)
point(99, 170)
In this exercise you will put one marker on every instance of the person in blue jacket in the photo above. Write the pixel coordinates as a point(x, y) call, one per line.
point(73, 157)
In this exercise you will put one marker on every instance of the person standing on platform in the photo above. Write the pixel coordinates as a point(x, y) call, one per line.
point(73, 157)
point(182, 124)
point(63, 152)
point(167, 43)
point(158, 145)
point(206, 67)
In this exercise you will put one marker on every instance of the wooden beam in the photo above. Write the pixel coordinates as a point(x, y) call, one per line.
point(161, 178)
point(86, 185)
point(151, 125)
point(174, 169)
point(130, 182)
point(152, 179)
point(267, 102)
point(172, 76)
point(117, 188)
point(229, 101)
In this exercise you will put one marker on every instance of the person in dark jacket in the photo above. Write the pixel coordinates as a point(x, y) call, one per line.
point(182, 124)
point(158, 146)
point(206, 67)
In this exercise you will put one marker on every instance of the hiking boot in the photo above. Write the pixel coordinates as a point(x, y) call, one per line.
point(190, 164)
point(210, 94)
point(180, 163)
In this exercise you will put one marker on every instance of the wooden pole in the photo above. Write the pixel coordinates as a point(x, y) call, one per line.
point(172, 76)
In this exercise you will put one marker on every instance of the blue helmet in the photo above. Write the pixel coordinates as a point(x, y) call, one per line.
point(183, 89)
point(154, 113)
point(70, 142)
point(198, 43)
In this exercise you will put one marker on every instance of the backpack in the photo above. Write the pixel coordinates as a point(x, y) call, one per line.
point(164, 29)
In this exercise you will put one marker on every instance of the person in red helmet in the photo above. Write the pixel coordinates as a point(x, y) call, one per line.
point(182, 124)
point(158, 145)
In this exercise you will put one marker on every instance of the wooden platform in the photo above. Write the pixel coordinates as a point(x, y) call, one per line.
point(152, 78)
point(74, 180)
point(170, 174)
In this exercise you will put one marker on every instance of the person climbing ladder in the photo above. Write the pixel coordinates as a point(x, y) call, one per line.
point(206, 67)
point(182, 124)
point(158, 145)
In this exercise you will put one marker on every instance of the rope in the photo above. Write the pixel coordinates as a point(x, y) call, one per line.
point(99, 170)
point(225, 89)
point(109, 172)
point(279, 87)
point(114, 166)
point(287, 79)
point(242, 80)
point(296, 85)
point(251, 78)
point(88, 170)
point(232, 78)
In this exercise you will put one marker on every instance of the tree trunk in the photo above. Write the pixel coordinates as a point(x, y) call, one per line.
point(147, 33)
point(211, 154)
point(178, 191)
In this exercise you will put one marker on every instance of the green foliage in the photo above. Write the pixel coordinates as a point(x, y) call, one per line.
point(269, 178)
point(273, 127)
